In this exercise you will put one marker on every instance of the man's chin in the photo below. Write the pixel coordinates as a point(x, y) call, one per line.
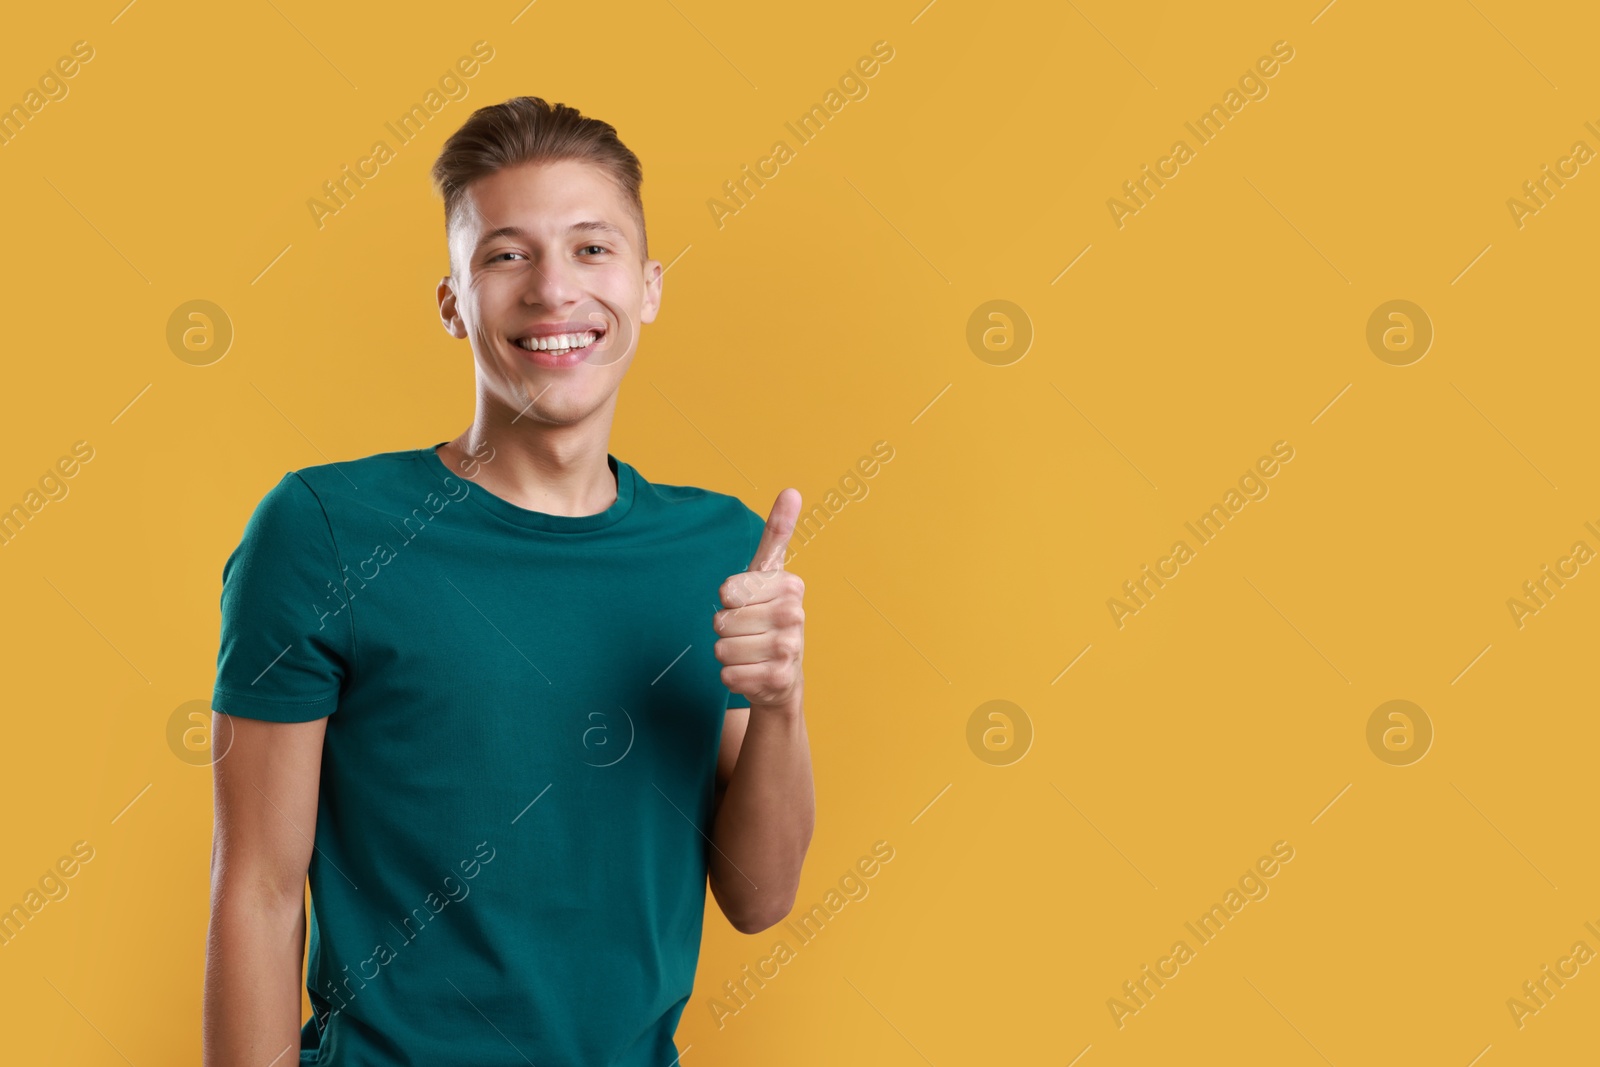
point(557, 402)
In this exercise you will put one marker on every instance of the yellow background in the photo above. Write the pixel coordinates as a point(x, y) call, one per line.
point(826, 315)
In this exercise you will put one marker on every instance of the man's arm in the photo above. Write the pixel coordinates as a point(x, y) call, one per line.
point(765, 814)
point(765, 805)
point(265, 795)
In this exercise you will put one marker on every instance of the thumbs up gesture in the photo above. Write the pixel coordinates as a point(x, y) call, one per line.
point(761, 626)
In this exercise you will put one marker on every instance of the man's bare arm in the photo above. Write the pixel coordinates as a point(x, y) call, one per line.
point(765, 805)
point(265, 795)
point(765, 814)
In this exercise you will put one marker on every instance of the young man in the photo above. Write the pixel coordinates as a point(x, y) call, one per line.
point(506, 702)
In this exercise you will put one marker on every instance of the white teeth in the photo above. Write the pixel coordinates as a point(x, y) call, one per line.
point(559, 342)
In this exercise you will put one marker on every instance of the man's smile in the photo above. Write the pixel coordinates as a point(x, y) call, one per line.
point(559, 344)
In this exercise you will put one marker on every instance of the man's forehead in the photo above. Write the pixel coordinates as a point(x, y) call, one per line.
point(525, 213)
point(570, 189)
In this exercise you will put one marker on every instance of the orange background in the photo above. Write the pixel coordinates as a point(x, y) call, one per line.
point(833, 311)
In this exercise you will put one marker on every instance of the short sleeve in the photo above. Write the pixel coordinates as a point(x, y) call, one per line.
point(757, 526)
point(287, 639)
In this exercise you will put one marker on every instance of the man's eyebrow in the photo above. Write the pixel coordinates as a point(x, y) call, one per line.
point(598, 224)
point(576, 227)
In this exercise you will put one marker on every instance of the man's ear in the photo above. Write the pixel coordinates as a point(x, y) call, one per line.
point(448, 314)
point(652, 290)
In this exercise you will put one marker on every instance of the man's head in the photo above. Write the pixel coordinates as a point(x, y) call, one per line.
point(546, 232)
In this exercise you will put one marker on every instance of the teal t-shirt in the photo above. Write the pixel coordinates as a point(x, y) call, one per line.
point(524, 714)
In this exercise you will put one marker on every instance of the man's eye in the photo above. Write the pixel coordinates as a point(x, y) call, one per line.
point(493, 258)
point(600, 248)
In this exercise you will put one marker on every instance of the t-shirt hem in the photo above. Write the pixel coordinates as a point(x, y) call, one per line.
point(249, 706)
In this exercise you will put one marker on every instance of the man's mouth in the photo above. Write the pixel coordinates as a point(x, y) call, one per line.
point(560, 344)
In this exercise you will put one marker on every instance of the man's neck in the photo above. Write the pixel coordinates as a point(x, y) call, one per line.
point(558, 470)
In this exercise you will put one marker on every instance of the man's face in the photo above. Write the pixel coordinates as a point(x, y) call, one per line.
point(543, 246)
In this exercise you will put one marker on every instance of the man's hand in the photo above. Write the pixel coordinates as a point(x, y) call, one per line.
point(761, 626)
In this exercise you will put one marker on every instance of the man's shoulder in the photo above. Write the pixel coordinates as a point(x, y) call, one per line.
point(692, 497)
point(379, 471)
point(309, 497)
point(714, 508)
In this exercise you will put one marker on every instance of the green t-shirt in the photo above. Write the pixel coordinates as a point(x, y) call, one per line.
point(524, 713)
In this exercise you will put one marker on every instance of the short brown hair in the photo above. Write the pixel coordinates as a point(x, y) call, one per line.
point(526, 129)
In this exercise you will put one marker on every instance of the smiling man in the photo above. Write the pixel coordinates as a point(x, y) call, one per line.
point(505, 702)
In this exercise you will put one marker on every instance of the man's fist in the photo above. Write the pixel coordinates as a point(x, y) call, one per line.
point(761, 626)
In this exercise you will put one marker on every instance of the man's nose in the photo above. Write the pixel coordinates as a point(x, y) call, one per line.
point(550, 281)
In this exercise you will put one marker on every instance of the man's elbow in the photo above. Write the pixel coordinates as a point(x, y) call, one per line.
point(757, 921)
point(757, 912)
point(258, 890)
